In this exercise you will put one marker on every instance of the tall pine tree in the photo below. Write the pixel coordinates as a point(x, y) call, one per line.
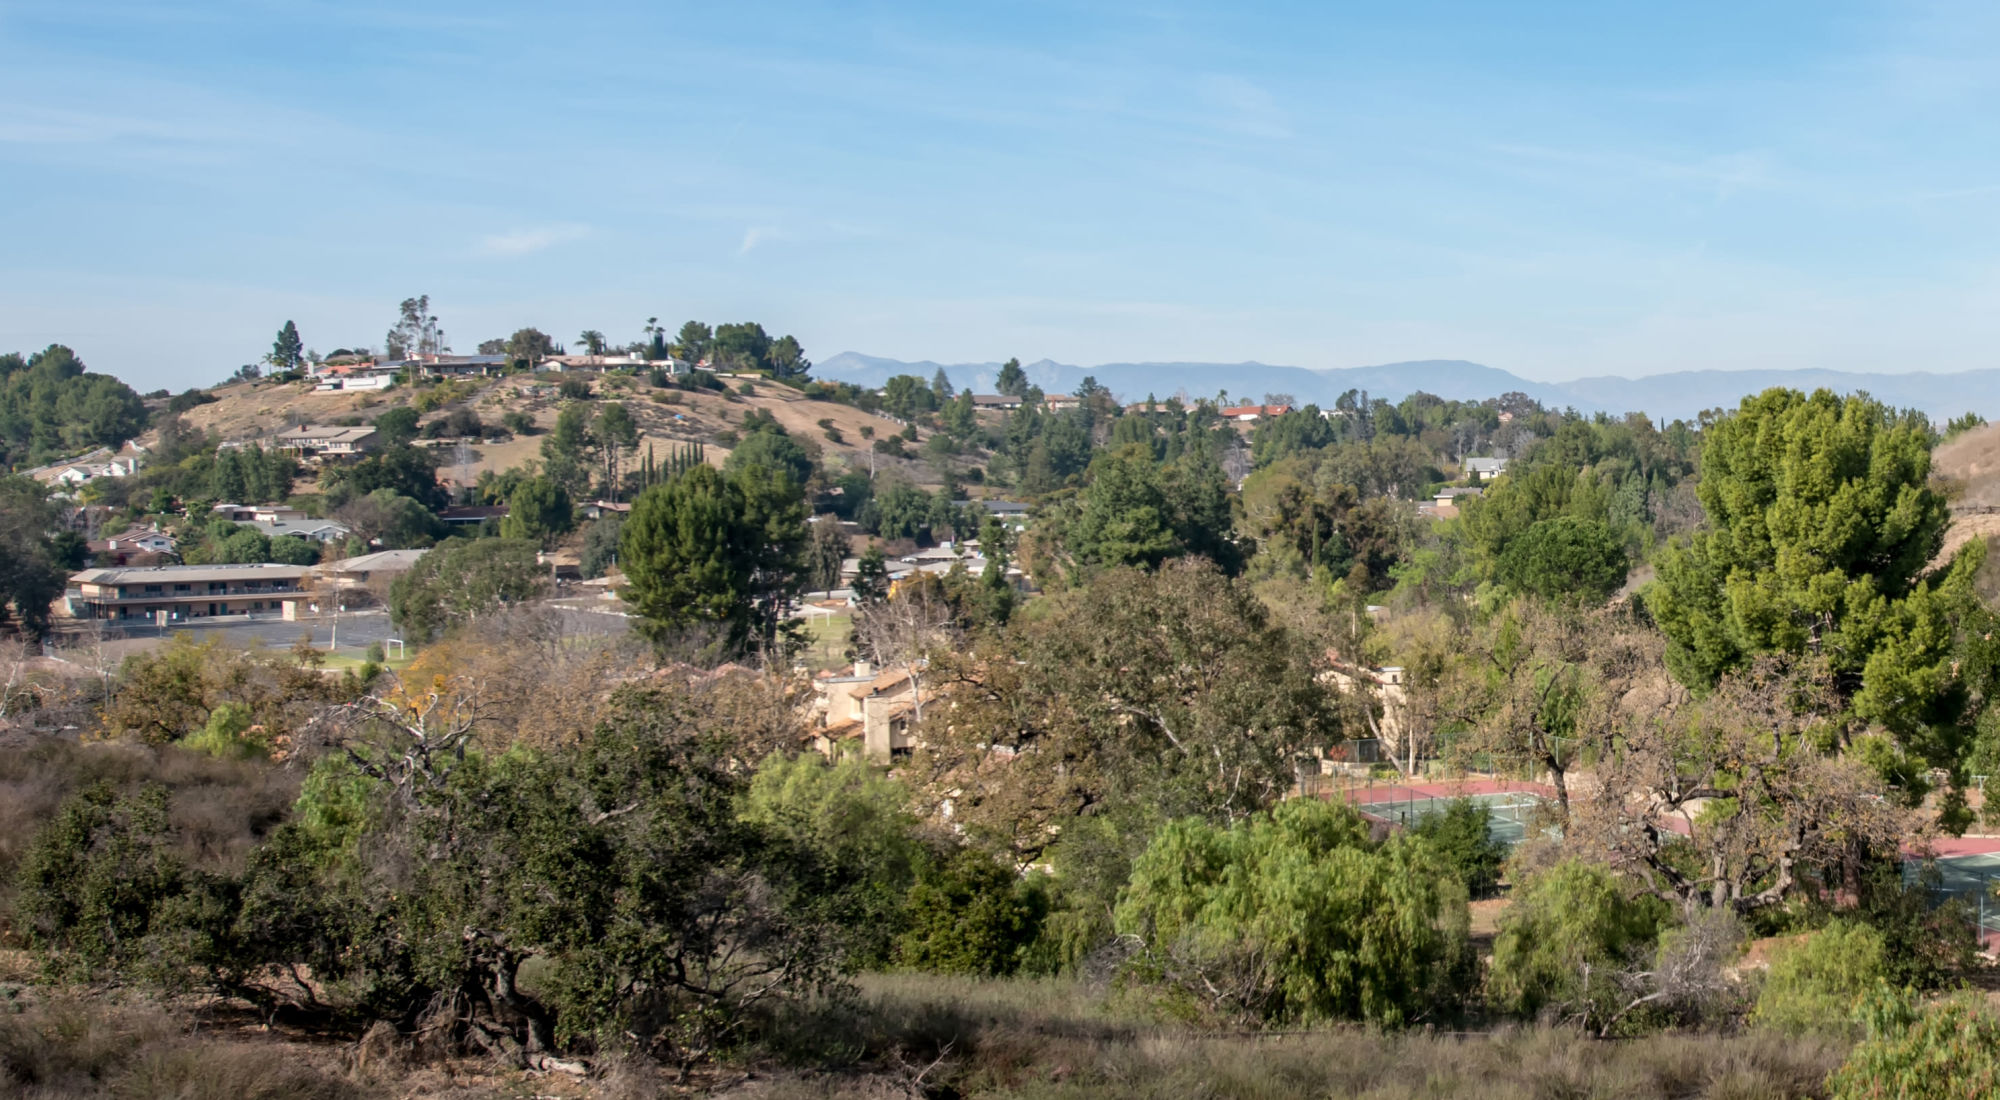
point(288, 352)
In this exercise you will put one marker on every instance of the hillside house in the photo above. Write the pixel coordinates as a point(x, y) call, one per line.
point(876, 710)
point(597, 364)
point(995, 401)
point(1447, 502)
point(312, 530)
point(355, 375)
point(1485, 469)
point(1001, 509)
point(256, 513)
point(1388, 698)
point(1250, 414)
point(460, 366)
point(326, 441)
point(472, 515)
point(151, 546)
point(371, 570)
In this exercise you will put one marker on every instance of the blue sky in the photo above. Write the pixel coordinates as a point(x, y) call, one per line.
point(1558, 189)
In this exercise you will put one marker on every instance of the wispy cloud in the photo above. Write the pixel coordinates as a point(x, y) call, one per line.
point(757, 235)
point(1244, 107)
point(526, 242)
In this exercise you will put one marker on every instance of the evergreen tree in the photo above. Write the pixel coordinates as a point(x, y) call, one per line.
point(539, 511)
point(1821, 524)
point(1013, 381)
point(871, 576)
point(715, 555)
point(288, 352)
point(825, 554)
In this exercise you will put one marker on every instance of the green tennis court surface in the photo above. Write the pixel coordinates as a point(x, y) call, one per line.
point(1513, 813)
point(1970, 879)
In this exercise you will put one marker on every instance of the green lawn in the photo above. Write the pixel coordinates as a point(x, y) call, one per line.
point(828, 640)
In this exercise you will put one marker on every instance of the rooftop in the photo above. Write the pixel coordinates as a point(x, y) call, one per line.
point(186, 574)
point(388, 560)
point(332, 433)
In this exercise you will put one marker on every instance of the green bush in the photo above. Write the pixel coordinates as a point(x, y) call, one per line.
point(971, 915)
point(226, 735)
point(859, 819)
point(102, 886)
point(1946, 1051)
point(1563, 941)
point(1815, 984)
point(1295, 915)
point(968, 914)
point(1463, 835)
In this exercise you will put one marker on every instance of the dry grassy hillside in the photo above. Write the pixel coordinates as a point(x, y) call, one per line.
point(1968, 468)
point(667, 418)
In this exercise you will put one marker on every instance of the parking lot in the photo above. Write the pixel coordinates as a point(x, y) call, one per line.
point(354, 632)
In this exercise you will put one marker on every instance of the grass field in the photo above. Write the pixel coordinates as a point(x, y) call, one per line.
point(828, 641)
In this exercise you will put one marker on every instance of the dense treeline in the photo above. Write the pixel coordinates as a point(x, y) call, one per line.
point(52, 408)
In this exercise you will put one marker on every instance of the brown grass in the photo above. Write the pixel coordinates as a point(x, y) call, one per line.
point(70, 1049)
point(221, 809)
point(922, 1035)
point(247, 411)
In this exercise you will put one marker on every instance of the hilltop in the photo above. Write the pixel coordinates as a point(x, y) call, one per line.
point(668, 418)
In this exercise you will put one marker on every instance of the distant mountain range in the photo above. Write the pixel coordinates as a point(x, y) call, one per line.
point(1664, 397)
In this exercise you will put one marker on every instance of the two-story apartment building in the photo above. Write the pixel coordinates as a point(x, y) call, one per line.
point(180, 592)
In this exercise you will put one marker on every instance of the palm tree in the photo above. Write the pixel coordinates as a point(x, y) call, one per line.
point(592, 341)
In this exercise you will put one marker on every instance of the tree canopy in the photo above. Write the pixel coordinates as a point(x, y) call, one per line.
point(714, 558)
point(51, 407)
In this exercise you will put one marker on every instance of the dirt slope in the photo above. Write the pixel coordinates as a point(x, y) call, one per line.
point(1968, 469)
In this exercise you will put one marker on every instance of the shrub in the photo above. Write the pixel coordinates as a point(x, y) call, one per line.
point(574, 389)
point(970, 915)
point(747, 389)
point(101, 888)
point(859, 819)
point(518, 422)
point(1816, 984)
point(1296, 916)
point(1945, 1051)
point(1562, 944)
point(226, 736)
point(1463, 836)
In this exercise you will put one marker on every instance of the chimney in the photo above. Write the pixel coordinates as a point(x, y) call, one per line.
point(863, 668)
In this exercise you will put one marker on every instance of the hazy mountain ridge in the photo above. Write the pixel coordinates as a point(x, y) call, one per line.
point(1679, 395)
point(1248, 381)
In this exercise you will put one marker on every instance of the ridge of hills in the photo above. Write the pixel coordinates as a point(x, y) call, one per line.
point(1681, 395)
point(666, 418)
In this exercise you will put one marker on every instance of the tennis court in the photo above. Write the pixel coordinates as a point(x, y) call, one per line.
point(1970, 879)
point(1513, 812)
